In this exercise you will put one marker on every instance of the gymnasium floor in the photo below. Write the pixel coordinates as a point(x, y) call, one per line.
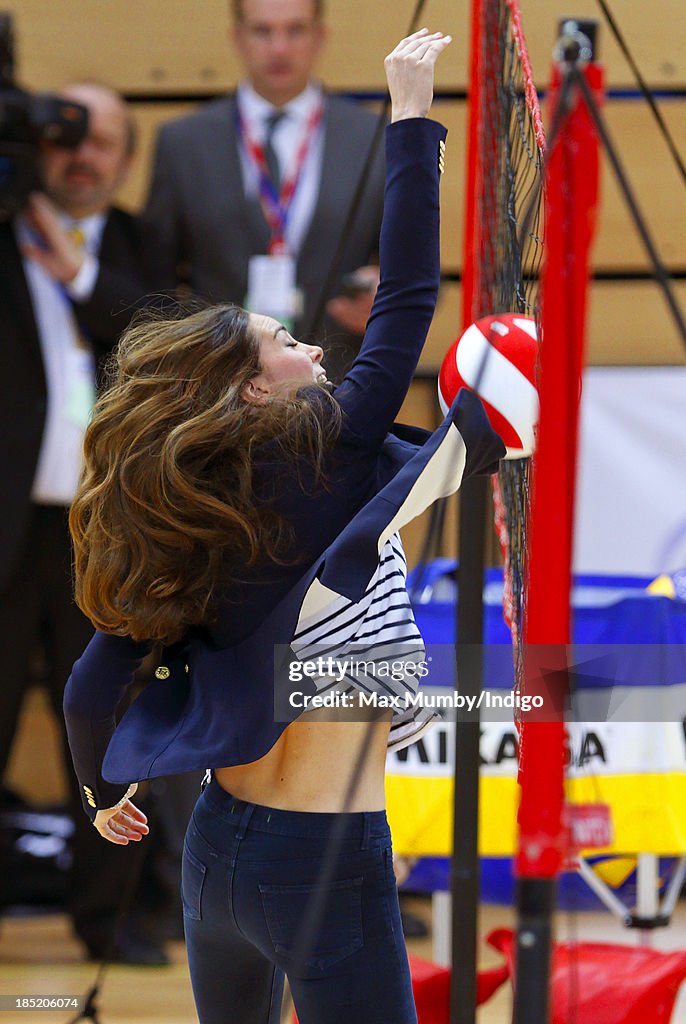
point(38, 955)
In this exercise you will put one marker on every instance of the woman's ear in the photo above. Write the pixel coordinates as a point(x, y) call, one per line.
point(255, 391)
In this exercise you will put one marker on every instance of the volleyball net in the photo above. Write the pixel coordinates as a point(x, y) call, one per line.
point(503, 236)
point(511, 173)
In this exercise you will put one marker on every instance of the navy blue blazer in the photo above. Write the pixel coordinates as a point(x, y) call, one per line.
point(216, 705)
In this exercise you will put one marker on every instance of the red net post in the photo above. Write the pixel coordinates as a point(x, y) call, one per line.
point(571, 193)
point(571, 202)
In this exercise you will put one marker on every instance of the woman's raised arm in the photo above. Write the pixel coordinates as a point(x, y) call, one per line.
point(373, 391)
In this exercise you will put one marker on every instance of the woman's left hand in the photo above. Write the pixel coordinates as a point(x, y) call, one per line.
point(123, 824)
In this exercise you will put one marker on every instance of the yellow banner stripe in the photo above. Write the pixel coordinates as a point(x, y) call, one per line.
point(648, 813)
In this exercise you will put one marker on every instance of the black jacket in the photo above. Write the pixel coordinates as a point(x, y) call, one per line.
point(127, 274)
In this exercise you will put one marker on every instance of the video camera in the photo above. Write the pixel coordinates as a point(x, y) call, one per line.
point(27, 120)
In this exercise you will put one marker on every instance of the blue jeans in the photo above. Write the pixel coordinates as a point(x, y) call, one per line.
point(249, 873)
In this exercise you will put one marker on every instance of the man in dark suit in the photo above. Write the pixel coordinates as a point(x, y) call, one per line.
point(250, 194)
point(73, 271)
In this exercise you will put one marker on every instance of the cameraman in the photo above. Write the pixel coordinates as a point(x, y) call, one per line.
point(74, 269)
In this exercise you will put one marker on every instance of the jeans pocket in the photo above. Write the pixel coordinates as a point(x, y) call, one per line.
point(192, 880)
point(339, 931)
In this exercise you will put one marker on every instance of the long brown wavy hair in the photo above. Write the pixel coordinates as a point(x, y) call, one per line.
point(165, 511)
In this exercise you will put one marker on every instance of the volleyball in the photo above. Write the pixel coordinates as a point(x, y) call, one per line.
point(496, 358)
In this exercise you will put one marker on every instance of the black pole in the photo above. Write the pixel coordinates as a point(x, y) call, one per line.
point(464, 885)
point(535, 906)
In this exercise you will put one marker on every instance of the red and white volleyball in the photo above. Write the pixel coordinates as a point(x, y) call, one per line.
point(496, 358)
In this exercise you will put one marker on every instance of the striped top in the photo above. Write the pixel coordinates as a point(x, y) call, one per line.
point(375, 645)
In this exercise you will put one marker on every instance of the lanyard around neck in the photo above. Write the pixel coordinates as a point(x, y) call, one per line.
point(276, 207)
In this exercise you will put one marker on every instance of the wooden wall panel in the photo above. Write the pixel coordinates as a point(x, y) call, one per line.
point(629, 324)
point(155, 46)
point(654, 32)
point(180, 47)
point(655, 181)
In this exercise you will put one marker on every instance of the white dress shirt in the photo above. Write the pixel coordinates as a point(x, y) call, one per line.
point(288, 134)
point(68, 362)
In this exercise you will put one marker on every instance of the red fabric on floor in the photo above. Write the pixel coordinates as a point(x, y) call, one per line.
point(602, 983)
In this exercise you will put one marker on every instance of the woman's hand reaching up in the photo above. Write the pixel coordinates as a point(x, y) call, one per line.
point(410, 73)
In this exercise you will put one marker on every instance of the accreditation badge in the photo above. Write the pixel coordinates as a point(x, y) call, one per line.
point(272, 288)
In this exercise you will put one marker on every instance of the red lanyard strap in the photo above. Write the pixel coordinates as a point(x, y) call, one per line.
point(275, 207)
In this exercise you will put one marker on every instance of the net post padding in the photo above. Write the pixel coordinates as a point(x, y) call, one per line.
point(571, 192)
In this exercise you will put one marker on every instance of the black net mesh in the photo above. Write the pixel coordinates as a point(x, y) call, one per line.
point(510, 215)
